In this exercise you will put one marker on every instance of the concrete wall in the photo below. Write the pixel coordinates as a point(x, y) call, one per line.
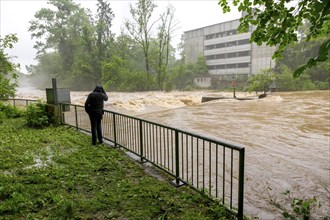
point(194, 45)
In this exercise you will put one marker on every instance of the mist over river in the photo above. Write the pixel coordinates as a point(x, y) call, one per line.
point(286, 135)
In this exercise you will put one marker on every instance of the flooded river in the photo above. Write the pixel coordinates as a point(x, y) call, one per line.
point(286, 135)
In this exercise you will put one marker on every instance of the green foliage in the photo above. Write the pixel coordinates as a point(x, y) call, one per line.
point(9, 111)
point(284, 81)
point(295, 208)
point(55, 173)
point(261, 81)
point(300, 53)
point(8, 74)
point(277, 23)
point(39, 116)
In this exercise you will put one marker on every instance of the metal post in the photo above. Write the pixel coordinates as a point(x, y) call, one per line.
point(241, 184)
point(76, 116)
point(177, 181)
point(141, 141)
point(55, 91)
point(114, 129)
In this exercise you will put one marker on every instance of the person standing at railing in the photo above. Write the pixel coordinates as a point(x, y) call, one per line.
point(94, 107)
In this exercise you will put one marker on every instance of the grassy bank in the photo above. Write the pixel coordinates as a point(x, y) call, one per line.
point(55, 173)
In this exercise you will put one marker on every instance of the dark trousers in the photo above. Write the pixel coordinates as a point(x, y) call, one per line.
point(96, 128)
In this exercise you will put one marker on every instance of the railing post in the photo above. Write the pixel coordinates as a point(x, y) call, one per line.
point(141, 141)
point(114, 129)
point(177, 181)
point(76, 116)
point(241, 184)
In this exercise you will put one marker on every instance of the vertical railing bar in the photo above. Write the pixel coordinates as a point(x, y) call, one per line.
point(145, 139)
point(136, 134)
point(192, 159)
point(128, 133)
point(203, 164)
point(120, 125)
point(122, 129)
point(150, 144)
point(231, 179)
point(141, 140)
point(153, 143)
point(224, 175)
point(114, 129)
point(182, 156)
point(76, 116)
point(197, 165)
point(210, 167)
point(162, 141)
point(177, 162)
point(167, 149)
point(187, 143)
point(157, 146)
point(216, 170)
point(241, 184)
point(173, 148)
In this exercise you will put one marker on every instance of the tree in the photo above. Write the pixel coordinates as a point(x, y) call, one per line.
point(67, 29)
point(165, 33)
point(7, 68)
point(261, 81)
point(140, 27)
point(277, 24)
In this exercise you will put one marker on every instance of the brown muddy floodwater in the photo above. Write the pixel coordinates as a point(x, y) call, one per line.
point(286, 135)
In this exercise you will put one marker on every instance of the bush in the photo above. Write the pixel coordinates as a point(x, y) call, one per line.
point(2, 117)
point(37, 116)
point(9, 111)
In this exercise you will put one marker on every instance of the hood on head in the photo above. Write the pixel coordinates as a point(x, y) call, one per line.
point(98, 88)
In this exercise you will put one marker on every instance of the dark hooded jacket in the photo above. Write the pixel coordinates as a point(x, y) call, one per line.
point(94, 103)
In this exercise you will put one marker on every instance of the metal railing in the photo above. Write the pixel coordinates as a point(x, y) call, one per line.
point(213, 167)
point(18, 102)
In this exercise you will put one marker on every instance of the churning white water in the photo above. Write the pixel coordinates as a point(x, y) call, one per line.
point(286, 135)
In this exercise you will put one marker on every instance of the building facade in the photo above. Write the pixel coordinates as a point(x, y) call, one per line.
point(228, 54)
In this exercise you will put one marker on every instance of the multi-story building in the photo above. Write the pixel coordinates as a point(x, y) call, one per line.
point(229, 54)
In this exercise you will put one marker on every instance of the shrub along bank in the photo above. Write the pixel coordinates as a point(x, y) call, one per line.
point(55, 173)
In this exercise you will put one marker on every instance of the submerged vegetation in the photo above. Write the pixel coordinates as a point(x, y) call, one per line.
point(55, 173)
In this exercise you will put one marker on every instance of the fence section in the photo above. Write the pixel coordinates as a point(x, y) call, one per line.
point(213, 167)
point(18, 102)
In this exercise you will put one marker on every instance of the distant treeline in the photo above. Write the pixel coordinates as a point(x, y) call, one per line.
point(80, 50)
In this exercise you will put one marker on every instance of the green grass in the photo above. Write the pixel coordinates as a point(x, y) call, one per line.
point(55, 173)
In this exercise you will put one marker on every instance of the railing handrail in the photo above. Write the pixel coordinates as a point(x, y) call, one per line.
point(20, 99)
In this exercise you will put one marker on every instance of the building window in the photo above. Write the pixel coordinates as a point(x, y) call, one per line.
point(231, 55)
point(221, 45)
point(219, 67)
point(231, 66)
point(242, 65)
point(210, 57)
point(243, 53)
point(209, 47)
point(242, 42)
point(220, 56)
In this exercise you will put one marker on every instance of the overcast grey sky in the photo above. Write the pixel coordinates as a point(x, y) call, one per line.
point(16, 14)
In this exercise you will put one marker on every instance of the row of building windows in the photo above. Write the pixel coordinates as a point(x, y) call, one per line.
point(227, 44)
point(228, 66)
point(228, 55)
point(220, 34)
